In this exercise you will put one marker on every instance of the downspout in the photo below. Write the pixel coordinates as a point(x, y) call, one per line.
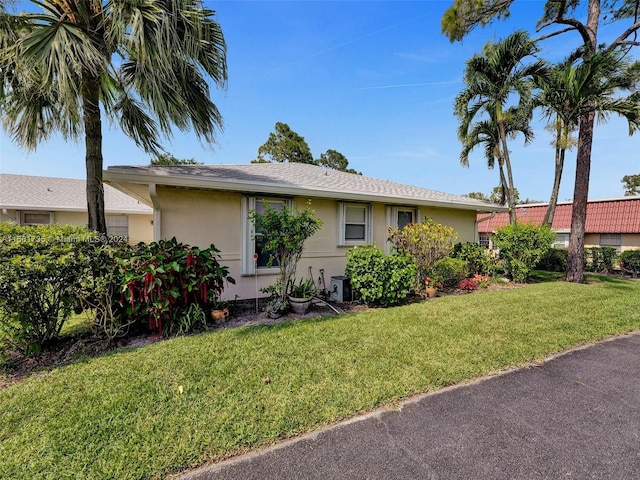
point(157, 214)
point(483, 219)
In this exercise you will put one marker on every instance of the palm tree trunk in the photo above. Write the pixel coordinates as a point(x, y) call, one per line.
point(507, 161)
point(575, 260)
point(93, 145)
point(553, 201)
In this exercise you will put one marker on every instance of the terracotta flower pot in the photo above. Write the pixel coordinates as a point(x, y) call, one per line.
point(431, 291)
point(219, 315)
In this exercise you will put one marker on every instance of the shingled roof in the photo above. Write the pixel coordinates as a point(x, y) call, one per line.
point(24, 192)
point(294, 179)
point(616, 215)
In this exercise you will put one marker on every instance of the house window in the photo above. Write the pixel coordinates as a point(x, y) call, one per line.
point(36, 218)
point(562, 240)
point(399, 217)
point(118, 225)
point(252, 242)
point(483, 239)
point(354, 220)
point(611, 240)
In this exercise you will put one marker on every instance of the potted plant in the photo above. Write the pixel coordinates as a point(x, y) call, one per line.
point(276, 307)
point(431, 287)
point(300, 295)
point(219, 309)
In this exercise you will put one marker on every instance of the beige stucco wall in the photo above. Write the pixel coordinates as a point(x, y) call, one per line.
point(199, 218)
point(140, 229)
point(630, 241)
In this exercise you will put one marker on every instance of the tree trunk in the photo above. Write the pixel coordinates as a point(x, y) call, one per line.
point(553, 201)
point(575, 256)
point(93, 146)
point(507, 162)
point(575, 260)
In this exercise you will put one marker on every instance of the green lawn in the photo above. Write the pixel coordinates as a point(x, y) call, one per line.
point(124, 416)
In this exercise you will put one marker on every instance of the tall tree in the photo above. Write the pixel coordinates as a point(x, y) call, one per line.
point(562, 15)
point(557, 107)
point(335, 160)
point(631, 185)
point(486, 132)
point(284, 145)
point(142, 64)
point(491, 79)
point(597, 81)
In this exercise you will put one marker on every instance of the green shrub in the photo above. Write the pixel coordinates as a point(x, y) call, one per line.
point(521, 248)
point(478, 258)
point(630, 259)
point(449, 271)
point(426, 242)
point(41, 271)
point(555, 260)
point(378, 278)
point(599, 259)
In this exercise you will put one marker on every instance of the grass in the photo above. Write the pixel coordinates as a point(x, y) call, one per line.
point(156, 410)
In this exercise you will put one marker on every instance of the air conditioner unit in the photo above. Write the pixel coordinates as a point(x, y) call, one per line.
point(340, 289)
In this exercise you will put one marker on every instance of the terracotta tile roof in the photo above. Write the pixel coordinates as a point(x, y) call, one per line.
point(617, 215)
point(26, 192)
point(296, 178)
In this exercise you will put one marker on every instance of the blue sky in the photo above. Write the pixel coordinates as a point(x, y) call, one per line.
point(374, 80)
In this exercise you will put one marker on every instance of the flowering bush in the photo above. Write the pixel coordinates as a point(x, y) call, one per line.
point(468, 284)
point(472, 283)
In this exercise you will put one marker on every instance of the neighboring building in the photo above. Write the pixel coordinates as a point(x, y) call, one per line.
point(612, 222)
point(205, 204)
point(29, 200)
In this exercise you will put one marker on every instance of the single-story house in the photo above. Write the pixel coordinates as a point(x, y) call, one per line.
point(205, 204)
point(31, 200)
point(613, 222)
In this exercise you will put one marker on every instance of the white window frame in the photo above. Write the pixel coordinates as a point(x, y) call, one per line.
point(394, 211)
point(342, 225)
point(561, 243)
point(249, 266)
point(481, 236)
point(392, 219)
point(115, 228)
point(23, 214)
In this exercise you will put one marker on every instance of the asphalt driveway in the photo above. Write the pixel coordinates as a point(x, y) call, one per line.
point(577, 416)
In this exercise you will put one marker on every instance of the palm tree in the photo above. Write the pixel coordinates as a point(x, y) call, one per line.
point(593, 84)
point(143, 64)
point(492, 78)
point(558, 108)
point(486, 132)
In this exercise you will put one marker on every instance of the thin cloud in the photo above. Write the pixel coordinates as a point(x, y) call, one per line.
point(407, 85)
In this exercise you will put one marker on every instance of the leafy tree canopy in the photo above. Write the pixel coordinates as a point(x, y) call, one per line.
point(285, 145)
point(631, 185)
point(169, 159)
point(336, 160)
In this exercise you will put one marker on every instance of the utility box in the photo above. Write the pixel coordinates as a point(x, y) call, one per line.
point(340, 289)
